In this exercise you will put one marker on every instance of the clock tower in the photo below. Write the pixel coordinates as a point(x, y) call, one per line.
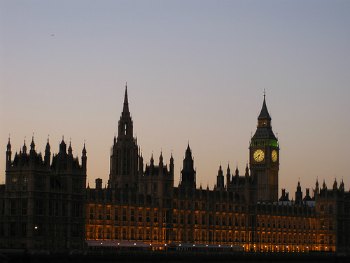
point(264, 159)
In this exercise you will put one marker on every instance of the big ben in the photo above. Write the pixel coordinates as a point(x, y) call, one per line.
point(264, 159)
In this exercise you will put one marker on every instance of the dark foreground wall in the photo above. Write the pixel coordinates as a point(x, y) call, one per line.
point(176, 258)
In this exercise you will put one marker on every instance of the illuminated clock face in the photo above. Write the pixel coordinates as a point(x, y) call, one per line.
point(274, 155)
point(259, 155)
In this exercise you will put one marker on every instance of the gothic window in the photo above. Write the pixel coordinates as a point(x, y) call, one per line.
point(125, 128)
point(140, 215)
point(99, 235)
point(91, 213)
point(155, 216)
point(124, 214)
point(116, 214)
point(100, 214)
point(140, 234)
point(108, 213)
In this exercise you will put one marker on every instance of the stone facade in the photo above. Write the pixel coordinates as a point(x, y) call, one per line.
point(242, 210)
point(44, 203)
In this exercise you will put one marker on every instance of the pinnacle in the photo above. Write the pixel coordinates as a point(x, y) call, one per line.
point(126, 102)
point(264, 113)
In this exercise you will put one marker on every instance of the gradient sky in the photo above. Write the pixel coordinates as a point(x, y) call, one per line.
point(196, 71)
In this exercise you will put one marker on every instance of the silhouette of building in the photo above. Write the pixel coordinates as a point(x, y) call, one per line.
point(42, 202)
point(141, 204)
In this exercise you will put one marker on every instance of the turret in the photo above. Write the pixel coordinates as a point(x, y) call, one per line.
point(63, 146)
point(188, 174)
point(172, 165)
point(84, 158)
point(317, 188)
point(341, 187)
point(70, 151)
point(8, 154)
point(47, 153)
point(228, 176)
point(247, 172)
point(152, 161)
point(335, 185)
point(220, 179)
point(70, 157)
point(298, 194)
point(141, 163)
point(32, 146)
point(236, 174)
point(24, 148)
point(161, 159)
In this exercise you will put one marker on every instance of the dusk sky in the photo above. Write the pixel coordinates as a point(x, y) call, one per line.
point(196, 71)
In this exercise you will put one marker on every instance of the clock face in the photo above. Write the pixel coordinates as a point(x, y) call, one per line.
point(274, 155)
point(259, 155)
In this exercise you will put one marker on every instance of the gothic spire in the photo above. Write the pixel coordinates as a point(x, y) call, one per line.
point(188, 150)
point(32, 144)
point(9, 144)
point(84, 150)
point(126, 102)
point(63, 146)
point(24, 148)
point(264, 113)
point(70, 148)
point(161, 158)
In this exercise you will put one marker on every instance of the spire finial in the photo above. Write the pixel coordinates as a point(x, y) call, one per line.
point(264, 113)
point(126, 102)
point(9, 144)
point(84, 149)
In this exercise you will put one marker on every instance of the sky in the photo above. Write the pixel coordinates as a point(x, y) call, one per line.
point(196, 72)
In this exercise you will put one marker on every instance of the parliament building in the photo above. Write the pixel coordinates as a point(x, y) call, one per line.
point(45, 203)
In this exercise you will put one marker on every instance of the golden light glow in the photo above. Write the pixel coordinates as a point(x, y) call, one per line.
point(259, 155)
point(274, 156)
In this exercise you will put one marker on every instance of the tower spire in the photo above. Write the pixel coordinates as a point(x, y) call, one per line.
point(9, 144)
point(126, 102)
point(264, 113)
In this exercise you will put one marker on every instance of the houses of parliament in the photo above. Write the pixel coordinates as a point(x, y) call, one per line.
point(45, 203)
